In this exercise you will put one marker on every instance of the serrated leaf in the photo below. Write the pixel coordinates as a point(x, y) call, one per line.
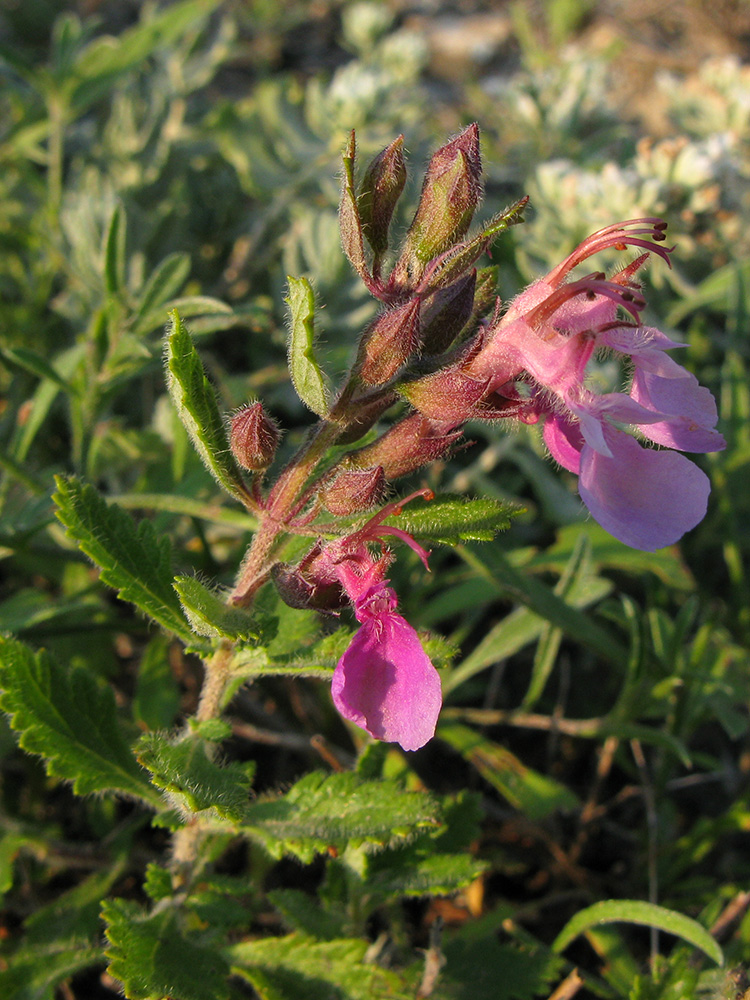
point(322, 811)
point(298, 968)
point(131, 558)
point(211, 617)
point(535, 795)
point(67, 718)
point(635, 911)
point(452, 519)
point(307, 376)
point(185, 769)
point(195, 400)
point(152, 958)
point(478, 967)
point(436, 875)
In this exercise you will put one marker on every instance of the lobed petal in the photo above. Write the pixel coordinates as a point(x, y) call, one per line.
point(647, 499)
point(386, 684)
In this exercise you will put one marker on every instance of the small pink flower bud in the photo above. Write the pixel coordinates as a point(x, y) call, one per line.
point(253, 437)
point(408, 445)
point(450, 195)
point(380, 189)
point(389, 343)
point(354, 491)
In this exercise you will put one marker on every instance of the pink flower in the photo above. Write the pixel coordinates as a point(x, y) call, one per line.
point(385, 682)
point(645, 497)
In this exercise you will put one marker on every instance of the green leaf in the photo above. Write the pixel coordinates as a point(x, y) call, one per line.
point(34, 363)
point(307, 376)
point(67, 718)
point(350, 222)
point(196, 405)
point(184, 768)
point(433, 875)
point(132, 558)
point(166, 280)
point(478, 967)
point(298, 968)
point(322, 811)
point(635, 911)
point(34, 972)
point(114, 252)
point(301, 912)
point(506, 579)
point(152, 958)
point(212, 617)
point(453, 519)
point(534, 794)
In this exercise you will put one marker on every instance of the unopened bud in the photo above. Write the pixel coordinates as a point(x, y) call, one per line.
point(389, 343)
point(379, 191)
point(253, 437)
point(354, 491)
point(450, 194)
point(408, 445)
point(447, 314)
point(300, 590)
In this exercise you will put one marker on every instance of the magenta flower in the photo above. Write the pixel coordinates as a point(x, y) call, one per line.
point(385, 682)
point(647, 498)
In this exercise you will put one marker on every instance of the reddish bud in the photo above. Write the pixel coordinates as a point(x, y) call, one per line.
point(253, 437)
point(389, 343)
point(301, 587)
point(447, 313)
point(366, 414)
point(379, 191)
point(354, 491)
point(450, 195)
point(408, 445)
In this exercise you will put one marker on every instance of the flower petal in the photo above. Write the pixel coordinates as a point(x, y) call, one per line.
point(386, 684)
point(647, 499)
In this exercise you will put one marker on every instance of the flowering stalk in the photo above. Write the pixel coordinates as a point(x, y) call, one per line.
point(442, 343)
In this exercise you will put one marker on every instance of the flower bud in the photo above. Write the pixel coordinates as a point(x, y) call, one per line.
point(355, 490)
point(300, 589)
point(389, 343)
point(379, 191)
point(253, 437)
point(408, 445)
point(446, 314)
point(450, 195)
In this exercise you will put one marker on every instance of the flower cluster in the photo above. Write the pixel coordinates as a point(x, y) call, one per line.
point(443, 343)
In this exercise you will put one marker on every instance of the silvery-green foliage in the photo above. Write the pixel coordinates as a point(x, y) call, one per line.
point(715, 99)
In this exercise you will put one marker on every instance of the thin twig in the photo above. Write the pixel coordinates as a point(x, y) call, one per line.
point(568, 987)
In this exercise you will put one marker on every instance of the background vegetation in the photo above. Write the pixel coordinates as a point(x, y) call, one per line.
point(594, 743)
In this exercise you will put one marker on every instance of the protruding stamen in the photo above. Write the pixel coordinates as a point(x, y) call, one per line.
point(618, 236)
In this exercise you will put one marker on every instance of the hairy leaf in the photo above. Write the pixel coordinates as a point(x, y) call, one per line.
point(322, 811)
point(67, 718)
point(195, 400)
point(152, 958)
point(298, 968)
point(211, 617)
point(185, 769)
point(307, 376)
point(452, 519)
point(131, 557)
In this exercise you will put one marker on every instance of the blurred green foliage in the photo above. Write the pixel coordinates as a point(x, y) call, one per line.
point(186, 156)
